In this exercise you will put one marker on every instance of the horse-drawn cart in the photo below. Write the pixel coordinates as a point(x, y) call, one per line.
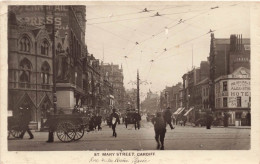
point(69, 127)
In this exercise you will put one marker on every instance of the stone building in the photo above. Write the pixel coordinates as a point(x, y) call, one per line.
point(33, 33)
point(116, 78)
point(233, 95)
point(227, 55)
point(30, 69)
point(150, 103)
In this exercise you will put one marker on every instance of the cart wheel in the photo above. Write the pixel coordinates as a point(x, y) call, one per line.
point(66, 131)
point(16, 133)
point(79, 133)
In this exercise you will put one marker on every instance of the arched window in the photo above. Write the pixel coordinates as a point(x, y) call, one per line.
point(45, 75)
point(24, 44)
point(25, 67)
point(45, 48)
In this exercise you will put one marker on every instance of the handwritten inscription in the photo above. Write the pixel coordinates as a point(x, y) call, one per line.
point(121, 157)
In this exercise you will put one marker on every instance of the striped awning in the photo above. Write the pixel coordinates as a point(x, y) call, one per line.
point(188, 111)
point(178, 111)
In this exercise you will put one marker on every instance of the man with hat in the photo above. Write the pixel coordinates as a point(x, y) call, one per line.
point(114, 117)
point(167, 117)
point(160, 130)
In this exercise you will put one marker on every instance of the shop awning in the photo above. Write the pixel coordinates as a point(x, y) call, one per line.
point(178, 111)
point(188, 111)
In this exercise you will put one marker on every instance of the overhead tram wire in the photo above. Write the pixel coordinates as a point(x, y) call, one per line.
point(120, 20)
point(115, 15)
point(178, 24)
point(114, 34)
point(160, 55)
point(153, 36)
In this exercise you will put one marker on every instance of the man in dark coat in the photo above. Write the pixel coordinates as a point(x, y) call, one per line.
point(167, 117)
point(98, 121)
point(160, 130)
point(25, 120)
point(226, 116)
point(248, 119)
point(209, 120)
point(50, 125)
point(137, 118)
point(114, 118)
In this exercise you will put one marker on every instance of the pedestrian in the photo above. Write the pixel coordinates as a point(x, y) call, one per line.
point(226, 116)
point(51, 126)
point(181, 122)
point(114, 118)
point(99, 121)
point(26, 118)
point(167, 117)
point(209, 120)
point(248, 119)
point(160, 130)
point(137, 119)
point(184, 120)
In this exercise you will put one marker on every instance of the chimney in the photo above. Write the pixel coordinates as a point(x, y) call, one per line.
point(236, 42)
point(241, 43)
point(233, 43)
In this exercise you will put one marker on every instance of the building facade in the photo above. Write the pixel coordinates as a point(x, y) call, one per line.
point(30, 69)
point(46, 46)
point(227, 55)
point(233, 95)
point(116, 78)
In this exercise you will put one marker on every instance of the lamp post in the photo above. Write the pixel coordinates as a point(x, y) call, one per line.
point(54, 63)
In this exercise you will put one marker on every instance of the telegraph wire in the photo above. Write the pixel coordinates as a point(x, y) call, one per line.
point(114, 34)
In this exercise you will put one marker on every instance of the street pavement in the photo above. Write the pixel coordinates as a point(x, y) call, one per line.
point(180, 138)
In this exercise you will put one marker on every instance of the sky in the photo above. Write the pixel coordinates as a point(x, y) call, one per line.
point(160, 47)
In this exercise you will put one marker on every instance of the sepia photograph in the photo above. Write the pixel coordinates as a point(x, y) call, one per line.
point(130, 82)
point(173, 76)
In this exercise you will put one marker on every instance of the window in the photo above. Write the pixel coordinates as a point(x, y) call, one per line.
point(224, 101)
point(45, 75)
point(24, 79)
point(238, 101)
point(44, 48)
point(24, 44)
point(224, 86)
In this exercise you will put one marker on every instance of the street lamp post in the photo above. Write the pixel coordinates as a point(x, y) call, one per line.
point(54, 63)
point(138, 94)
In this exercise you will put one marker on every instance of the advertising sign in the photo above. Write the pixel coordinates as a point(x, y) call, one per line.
point(43, 15)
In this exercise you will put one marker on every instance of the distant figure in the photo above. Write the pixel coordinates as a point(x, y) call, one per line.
point(92, 122)
point(137, 118)
point(114, 118)
point(167, 117)
point(226, 116)
point(209, 120)
point(98, 121)
point(184, 120)
point(51, 127)
point(160, 130)
point(26, 118)
point(248, 119)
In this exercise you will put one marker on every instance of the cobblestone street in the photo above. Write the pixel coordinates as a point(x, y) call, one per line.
point(181, 138)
